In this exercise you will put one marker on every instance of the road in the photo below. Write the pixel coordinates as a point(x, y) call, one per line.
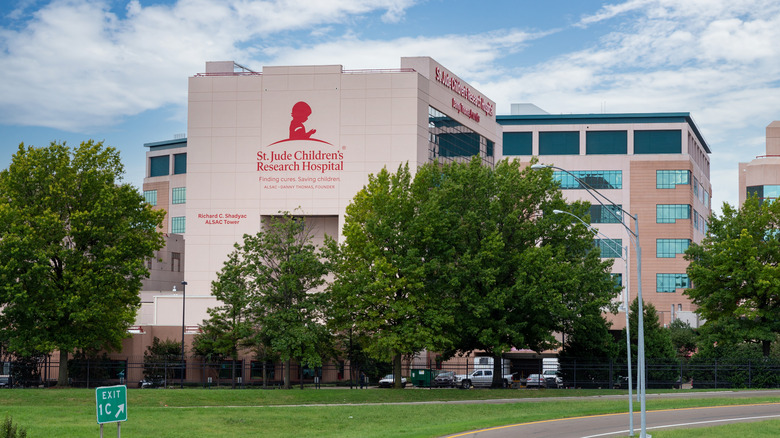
point(616, 425)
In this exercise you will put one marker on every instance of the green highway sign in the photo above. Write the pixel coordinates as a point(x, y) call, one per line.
point(111, 403)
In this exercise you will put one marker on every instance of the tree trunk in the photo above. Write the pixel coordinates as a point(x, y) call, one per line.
point(397, 371)
point(286, 365)
point(498, 371)
point(62, 380)
point(766, 347)
point(233, 373)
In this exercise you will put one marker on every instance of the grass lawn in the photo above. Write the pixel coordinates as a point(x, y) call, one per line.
point(308, 413)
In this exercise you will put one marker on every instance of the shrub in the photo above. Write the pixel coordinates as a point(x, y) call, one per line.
point(10, 430)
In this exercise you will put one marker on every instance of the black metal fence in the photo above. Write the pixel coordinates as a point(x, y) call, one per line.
point(134, 372)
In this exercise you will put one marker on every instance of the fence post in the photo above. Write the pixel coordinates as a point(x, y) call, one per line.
point(750, 373)
point(87, 372)
point(716, 373)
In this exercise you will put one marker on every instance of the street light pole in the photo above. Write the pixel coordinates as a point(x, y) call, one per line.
point(183, 299)
point(634, 237)
point(595, 231)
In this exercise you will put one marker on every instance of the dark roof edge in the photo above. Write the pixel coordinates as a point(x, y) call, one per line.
point(167, 144)
point(558, 119)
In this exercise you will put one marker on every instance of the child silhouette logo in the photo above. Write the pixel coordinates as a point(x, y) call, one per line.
point(300, 113)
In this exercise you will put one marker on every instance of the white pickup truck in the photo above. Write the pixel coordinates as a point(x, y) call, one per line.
point(480, 378)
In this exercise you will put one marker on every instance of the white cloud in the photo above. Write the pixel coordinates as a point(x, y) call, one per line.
point(76, 65)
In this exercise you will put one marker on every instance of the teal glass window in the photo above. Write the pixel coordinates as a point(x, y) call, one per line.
point(449, 140)
point(179, 164)
point(159, 166)
point(767, 192)
point(518, 143)
point(670, 213)
point(151, 197)
point(179, 195)
point(669, 283)
point(597, 179)
point(670, 179)
point(618, 279)
point(610, 248)
point(606, 142)
point(603, 214)
point(178, 224)
point(559, 143)
point(670, 248)
point(658, 142)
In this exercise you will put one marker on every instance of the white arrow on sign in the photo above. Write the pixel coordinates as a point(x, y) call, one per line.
point(121, 409)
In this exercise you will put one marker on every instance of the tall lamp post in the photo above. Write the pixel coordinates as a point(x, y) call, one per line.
point(595, 232)
point(183, 298)
point(634, 237)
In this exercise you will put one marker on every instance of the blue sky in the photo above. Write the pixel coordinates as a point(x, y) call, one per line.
point(72, 70)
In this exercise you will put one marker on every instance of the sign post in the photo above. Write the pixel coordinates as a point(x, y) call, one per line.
point(111, 406)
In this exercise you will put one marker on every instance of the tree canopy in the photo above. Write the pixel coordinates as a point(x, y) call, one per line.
point(74, 239)
point(736, 274)
point(464, 257)
point(284, 274)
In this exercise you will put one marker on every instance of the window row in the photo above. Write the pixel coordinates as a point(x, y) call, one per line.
point(610, 248)
point(699, 223)
point(670, 248)
point(161, 165)
point(670, 213)
point(448, 140)
point(669, 283)
point(596, 179)
point(606, 214)
point(178, 196)
point(596, 142)
point(767, 192)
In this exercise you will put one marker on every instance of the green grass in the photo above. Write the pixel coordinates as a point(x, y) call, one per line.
point(278, 413)
point(764, 429)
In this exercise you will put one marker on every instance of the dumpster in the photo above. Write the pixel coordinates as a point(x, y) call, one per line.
point(422, 378)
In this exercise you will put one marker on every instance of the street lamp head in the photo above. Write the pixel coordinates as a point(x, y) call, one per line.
point(559, 211)
point(184, 283)
point(538, 166)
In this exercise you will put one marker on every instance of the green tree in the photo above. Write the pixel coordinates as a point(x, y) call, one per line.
point(683, 337)
point(517, 271)
point(658, 343)
point(230, 326)
point(74, 239)
point(162, 360)
point(381, 291)
point(736, 273)
point(285, 273)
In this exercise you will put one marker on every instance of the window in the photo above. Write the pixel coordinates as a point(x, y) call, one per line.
point(603, 214)
point(658, 142)
point(670, 248)
point(179, 195)
point(256, 370)
point(618, 279)
point(151, 197)
point(606, 142)
point(669, 283)
point(670, 213)
point(226, 369)
point(670, 179)
point(559, 143)
point(696, 188)
point(597, 179)
point(768, 192)
point(175, 262)
point(177, 224)
point(610, 248)
point(518, 143)
point(159, 166)
point(179, 164)
point(449, 140)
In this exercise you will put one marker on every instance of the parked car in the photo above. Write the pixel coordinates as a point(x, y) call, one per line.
point(388, 381)
point(535, 381)
point(552, 379)
point(481, 378)
point(154, 382)
point(5, 381)
point(445, 379)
